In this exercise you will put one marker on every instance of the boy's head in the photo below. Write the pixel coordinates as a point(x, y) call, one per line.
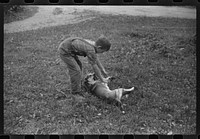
point(102, 44)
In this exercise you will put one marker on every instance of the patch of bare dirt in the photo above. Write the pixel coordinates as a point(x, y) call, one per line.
point(48, 16)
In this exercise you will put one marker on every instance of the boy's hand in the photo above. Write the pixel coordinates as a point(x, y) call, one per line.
point(105, 74)
point(105, 80)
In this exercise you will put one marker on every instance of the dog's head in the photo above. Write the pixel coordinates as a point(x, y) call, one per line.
point(89, 81)
point(90, 78)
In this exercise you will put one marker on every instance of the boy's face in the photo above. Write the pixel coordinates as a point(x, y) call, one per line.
point(99, 50)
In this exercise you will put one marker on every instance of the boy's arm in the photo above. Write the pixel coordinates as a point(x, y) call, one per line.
point(101, 67)
point(93, 60)
point(98, 73)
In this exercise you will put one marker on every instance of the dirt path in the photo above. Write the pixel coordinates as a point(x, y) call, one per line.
point(62, 15)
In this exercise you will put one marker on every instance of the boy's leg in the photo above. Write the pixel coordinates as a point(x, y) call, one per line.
point(74, 72)
point(80, 65)
point(78, 62)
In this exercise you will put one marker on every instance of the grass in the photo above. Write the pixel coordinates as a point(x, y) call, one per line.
point(158, 55)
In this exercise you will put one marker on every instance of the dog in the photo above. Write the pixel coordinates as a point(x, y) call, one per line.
point(100, 89)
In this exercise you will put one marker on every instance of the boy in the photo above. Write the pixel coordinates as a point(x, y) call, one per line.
point(73, 47)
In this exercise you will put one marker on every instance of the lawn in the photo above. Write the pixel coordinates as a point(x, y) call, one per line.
point(157, 55)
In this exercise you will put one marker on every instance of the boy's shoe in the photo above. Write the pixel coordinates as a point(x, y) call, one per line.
point(80, 93)
point(78, 96)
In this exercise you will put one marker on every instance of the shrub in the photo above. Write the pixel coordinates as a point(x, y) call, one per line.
point(11, 8)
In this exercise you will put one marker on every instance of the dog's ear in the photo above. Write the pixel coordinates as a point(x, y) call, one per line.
point(86, 83)
point(86, 77)
point(112, 78)
point(95, 77)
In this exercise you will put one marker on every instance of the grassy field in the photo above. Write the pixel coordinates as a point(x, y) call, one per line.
point(158, 55)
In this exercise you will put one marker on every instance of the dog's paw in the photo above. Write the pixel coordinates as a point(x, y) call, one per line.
point(126, 95)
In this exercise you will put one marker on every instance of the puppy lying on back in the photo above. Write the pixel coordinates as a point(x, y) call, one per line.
point(100, 89)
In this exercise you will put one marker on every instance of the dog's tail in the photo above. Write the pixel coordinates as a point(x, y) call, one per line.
point(119, 93)
point(127, 91)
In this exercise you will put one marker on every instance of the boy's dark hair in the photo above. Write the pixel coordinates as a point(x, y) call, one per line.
point(103, 43)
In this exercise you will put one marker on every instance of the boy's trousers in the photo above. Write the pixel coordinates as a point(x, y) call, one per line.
point(75, 71)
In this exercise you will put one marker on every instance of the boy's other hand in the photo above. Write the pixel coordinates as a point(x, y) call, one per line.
point(105, 80)
point(105, 74)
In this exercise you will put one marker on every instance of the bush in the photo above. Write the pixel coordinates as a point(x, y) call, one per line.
point(11, 8)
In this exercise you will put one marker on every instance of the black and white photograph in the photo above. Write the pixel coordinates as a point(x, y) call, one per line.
point(99, 70)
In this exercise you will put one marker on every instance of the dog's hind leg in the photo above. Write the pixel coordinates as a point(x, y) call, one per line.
point(120, 105)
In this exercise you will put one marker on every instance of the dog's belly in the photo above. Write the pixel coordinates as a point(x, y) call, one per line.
point(103, 91)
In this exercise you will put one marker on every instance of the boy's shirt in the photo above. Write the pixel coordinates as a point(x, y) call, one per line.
point(84, 49)
point(80, 48)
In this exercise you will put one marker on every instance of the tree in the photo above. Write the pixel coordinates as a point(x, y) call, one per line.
point(11, 8)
